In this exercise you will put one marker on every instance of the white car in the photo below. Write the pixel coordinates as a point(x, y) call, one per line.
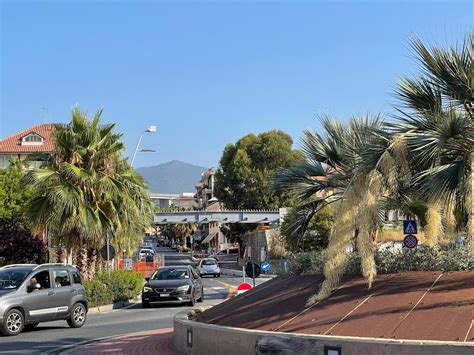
point(209, 266)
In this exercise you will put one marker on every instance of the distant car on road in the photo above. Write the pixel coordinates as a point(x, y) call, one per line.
point(209, 266)
point(227, 255)
point(179, 260)
point(32, 294)
point(173, 284)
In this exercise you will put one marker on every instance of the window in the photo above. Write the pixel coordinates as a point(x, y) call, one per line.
point(233, 251)
point(209, 262)
point(61, 278)
point(32, 138)
point(76, 278)
point(41, 278)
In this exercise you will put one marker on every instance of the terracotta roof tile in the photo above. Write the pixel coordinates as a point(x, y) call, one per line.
point(13, 145)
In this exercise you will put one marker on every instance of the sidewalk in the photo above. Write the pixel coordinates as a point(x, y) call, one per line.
point(159, 341)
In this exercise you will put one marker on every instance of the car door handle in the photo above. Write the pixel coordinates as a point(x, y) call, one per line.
point(50, 293)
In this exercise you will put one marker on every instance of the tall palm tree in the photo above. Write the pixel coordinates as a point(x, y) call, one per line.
point(437, 123)
point(88, 192)
point(361, 162)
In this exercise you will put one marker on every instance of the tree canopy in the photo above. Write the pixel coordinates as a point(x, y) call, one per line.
point(243, 180)
point(14, 196)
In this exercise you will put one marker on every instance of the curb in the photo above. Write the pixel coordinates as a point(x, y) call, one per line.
point(192, 337)
point(112, 307)
point(239, 273)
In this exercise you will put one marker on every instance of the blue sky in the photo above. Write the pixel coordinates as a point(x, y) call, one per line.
point(207, 73)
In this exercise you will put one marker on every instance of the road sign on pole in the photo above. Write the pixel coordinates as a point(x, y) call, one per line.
point(265, 266)
point(409, 227)
point(410, 241)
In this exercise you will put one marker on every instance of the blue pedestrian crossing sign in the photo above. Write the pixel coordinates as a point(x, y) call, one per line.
point(409, 227)
point(265, 266)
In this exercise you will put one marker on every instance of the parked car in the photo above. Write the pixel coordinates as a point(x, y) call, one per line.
point(209, 266)
point(173, 284)
point(227, 255)
point(32, 294)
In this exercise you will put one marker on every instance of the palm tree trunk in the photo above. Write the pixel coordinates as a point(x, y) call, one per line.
point(81, 255)
point(92, 261)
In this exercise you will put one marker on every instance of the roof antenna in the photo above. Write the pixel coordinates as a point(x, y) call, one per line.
point(45, 112)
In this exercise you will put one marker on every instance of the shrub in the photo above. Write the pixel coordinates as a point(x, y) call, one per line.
point(122, 284)
point(388, 261)
point(97, 293)
point(20, 247)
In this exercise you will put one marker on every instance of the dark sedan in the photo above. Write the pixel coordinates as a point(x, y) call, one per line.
point(173, 284)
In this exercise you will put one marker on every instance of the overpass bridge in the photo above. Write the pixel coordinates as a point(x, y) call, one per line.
point(225, 216)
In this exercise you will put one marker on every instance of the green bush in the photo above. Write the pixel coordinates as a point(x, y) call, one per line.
point(388, 261)
point(122, 284)
point(97, 293)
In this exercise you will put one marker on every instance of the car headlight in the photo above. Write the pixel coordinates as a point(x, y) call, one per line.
point(147, 289)
point(183, 288)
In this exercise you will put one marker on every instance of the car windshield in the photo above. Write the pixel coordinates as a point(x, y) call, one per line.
point(209, 262)
point(11, 279)
point(171, 274)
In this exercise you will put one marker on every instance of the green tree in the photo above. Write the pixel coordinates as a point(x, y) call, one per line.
point(14, 197)
point(243, 180)
point(88, 191)
point(316, 235)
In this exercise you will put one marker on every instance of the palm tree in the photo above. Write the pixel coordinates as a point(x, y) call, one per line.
point(437, 123)
point(88, 191)
point(361, 162)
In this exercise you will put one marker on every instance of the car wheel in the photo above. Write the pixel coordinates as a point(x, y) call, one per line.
point(145, 305)
point(192, 302)
point(31, 326)
point(78, 316)
point(14, 322)
point(218, 275)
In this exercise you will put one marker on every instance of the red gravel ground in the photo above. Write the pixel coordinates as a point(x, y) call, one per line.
point(158, 341)
point(412, 305)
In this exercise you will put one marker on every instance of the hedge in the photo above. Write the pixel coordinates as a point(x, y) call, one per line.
point(122, 285)
point(389, 261)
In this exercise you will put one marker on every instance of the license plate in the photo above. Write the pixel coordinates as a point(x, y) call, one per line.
point(164, 294)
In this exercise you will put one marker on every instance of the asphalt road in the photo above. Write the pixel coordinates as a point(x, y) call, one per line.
point(54, 337)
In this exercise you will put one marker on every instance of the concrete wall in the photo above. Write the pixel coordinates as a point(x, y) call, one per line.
point(210, 339)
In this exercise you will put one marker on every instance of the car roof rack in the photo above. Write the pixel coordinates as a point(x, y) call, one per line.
point(15, 265)
point(50, 264)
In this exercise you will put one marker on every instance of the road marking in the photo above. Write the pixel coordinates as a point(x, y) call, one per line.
point(231, 290)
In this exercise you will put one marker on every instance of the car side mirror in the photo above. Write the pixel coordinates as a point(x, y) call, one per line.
point(33, 287)
point(147, 279)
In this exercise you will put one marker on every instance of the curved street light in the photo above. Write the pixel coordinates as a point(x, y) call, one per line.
point(150, 129)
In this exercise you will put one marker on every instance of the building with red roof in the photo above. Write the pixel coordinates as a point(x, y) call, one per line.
point(34, 140)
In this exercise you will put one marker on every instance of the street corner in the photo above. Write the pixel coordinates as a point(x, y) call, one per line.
point(159, 341)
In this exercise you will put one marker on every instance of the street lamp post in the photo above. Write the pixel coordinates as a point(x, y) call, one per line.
point(150, 129)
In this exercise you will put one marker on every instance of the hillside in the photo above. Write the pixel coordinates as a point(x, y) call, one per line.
point(173, 177)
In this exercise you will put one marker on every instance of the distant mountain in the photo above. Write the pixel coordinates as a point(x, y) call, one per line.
point(174, 177)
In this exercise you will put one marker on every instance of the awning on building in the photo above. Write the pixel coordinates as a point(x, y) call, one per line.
point(208, 238)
